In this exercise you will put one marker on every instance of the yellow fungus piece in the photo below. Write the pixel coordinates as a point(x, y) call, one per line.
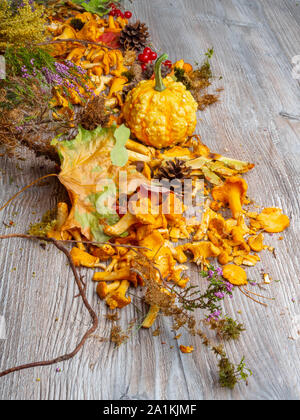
point(235, 275)
point(273, 220)
point(256, 243)
point(232, 192)
point(186, 349)
point(83, 259)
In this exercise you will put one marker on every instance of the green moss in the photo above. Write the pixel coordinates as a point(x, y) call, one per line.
point(47, 223)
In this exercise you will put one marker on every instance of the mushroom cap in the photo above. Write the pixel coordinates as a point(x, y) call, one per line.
point(118, 300)
point(256, 242)
point(82, 258)
point(202, 250)
point(222, 192)
point(102, 289)
point(235, 275)
point(273, 220)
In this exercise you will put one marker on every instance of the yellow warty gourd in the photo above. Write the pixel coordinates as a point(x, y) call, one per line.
point(159, 112)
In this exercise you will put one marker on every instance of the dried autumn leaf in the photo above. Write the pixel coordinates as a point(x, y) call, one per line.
point(91, 180)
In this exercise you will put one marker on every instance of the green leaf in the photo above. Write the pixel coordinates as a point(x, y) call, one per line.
point(119, 154)
point(122, 134)
point(99, 7)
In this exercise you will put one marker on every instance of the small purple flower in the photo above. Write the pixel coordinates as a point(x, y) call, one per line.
point(80, 70)
point(62, 68)
point(32, 61)
point(229, 287)
point(69, 63)
point(215, 315)
point(219, 271)
point(220, 295)
point(51, 77)
point(211, 274)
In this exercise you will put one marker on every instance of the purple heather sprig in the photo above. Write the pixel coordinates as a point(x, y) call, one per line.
point(215, 315)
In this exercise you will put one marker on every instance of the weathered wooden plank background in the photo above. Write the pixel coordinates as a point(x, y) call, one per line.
point(258, 119)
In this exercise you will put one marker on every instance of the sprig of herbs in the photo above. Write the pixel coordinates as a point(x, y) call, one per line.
point(227, 328)
point(218, 288)
point(230, 374)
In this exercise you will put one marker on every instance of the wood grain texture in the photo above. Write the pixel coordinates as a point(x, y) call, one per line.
point(254, 43)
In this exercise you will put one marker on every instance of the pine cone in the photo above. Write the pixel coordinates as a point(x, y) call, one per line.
point(134, 37)
point(134, 77)
point(148, 73)
point(174, 169)
point(93, 114)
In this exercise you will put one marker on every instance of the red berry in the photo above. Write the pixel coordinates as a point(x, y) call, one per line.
point(153, 56)
point(144, 58)
point(118, 12)
point(128, 14)
point(147, 51)
point(168, 63)
point(144, 66)
point(112, 6)
point(112, 13)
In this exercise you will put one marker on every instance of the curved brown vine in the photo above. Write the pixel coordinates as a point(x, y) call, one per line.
point(82, 294)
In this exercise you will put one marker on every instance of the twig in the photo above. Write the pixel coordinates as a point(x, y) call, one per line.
point(92, 313)
point(26, 188)
point(250, 297)
point(255, 294)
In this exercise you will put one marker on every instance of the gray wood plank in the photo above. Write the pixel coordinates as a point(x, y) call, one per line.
point(254, 42)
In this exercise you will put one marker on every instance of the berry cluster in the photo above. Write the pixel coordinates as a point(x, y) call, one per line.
point(118, 13)
point(148, 56)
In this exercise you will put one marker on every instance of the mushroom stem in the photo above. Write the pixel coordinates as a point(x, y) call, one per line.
point(118, 299)
point(122, 274)
point(122, 226)
point(103, 289)
point(151, 316)
point(159, 84)
point(234, 200)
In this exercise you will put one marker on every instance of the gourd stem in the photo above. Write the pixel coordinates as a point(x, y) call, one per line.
point(159, 84)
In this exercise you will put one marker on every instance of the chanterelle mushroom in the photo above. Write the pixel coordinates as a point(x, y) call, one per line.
point(202, 251)
point(83, 259)
point(273, 221)
point(122, 226)
point(103, 289)
point(235, 275)
point(151, 316)
point(117, 298)
point(122, 274)
point(232, 192)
